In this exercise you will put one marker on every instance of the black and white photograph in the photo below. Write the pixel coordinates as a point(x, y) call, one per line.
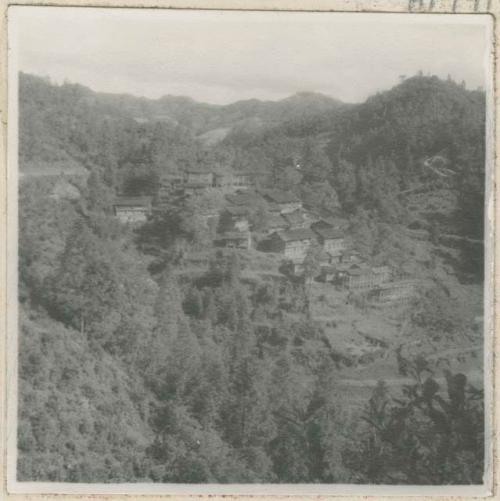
point(251, 247)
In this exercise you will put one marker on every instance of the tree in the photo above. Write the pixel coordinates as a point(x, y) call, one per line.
point(304, 448)
point(346, 183)
point(85, 290)
point(99, 195)
point(193, 303)
point(320, 195)
point(437, 315)
point(316, 165)
point(167, 309)
point(426, 437)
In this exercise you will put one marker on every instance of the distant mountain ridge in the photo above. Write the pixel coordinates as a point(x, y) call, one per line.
point(202, 117)
point(61, 123)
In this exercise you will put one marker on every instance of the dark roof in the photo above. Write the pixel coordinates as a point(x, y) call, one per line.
point(351, 252)
point(276, 221)
point(280, 196)
point(246, 198)
point(195, 185)
point(237, 210)
point(223, 176)
point(295, 217)
point(358, 271)
point(329, 233)
point(233, 235)
point(331, 221)
point(242, 173)
point(169, 176)
point(409, 283)
point(272, 207)
point(224, 171)
point(197, 171)
point(381, 269)
point(196, 256)
point(328, 269)
point(294, 235)
point(143, 201)
point(345, 267)
point(208, 211)
point(369, 271)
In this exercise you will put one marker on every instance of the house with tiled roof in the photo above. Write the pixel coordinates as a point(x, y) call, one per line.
point(276, 222)
point(194, 188)
point(235, 218)
point(330, 222)
point(365, 277)
point(242, 180)
point(132, 209)
point(398, 292)
point(199, 177)
point(286, 201)
point(233, 181)
point(332, 240)
point(246, 198)
point(296, 219)
point(294, 244)
point(234, 239)
point(350, 256)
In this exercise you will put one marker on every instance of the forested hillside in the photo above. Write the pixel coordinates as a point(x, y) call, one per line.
point(137, 366)
point(367, 153)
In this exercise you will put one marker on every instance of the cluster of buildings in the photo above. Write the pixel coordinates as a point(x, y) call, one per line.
point(134, 210)
point(273, 220)
point(197, 181)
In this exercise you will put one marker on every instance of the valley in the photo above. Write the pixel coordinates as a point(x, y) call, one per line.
point(220, 289)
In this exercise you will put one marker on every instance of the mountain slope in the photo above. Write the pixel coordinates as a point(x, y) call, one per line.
point(66, 123)
point(424, 115)
point(383, 146)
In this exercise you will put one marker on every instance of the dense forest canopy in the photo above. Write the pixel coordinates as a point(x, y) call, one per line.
point(131, 372)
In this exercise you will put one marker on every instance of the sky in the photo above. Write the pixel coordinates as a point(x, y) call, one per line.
point(225, 56)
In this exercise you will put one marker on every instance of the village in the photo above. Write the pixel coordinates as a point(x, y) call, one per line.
point(300, 242)
point(248, 248)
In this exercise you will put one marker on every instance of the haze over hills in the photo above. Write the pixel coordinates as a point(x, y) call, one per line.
point(202, 117)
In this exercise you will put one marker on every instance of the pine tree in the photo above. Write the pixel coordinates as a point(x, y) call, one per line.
point(99, 195)
point(85, 289)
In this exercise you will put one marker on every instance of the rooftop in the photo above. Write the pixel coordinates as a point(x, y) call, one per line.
point(244, 198)
point(233, 235)
point(295, 235)
point(379, 270)
point(333, 221)
point(142, 201)
point(195, 186)
point(408, 283)
point(346, 267)
point(295, 217)
point(196, 255)
point(280, 196)
point(242, 173)
point(276, 221)
point(328, 269)
point(198, 171)
point(273, 208)
point(329, 233)
point(237, 210)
